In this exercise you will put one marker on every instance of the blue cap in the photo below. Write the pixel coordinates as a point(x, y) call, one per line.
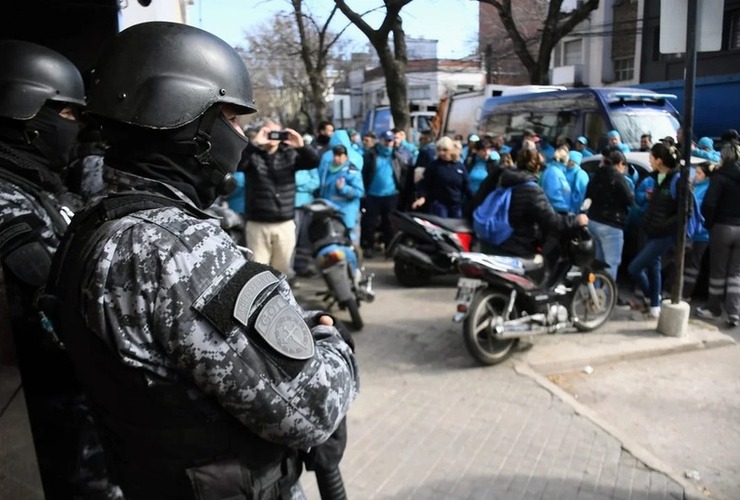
point(705, 142)
point(388, 135)
point(473, 138)
point(575, 157)
point(612, 134)
point(583, 140)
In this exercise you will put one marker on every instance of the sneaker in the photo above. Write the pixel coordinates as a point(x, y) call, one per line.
point(705, 313)
point(733, 321)
point(654, 312)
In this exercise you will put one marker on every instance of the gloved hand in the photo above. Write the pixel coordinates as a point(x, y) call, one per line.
point(328, 454)
point(339, 325)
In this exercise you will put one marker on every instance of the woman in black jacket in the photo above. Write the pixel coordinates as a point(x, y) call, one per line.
point(530, 214)
point(660, 226)
point(611, 197)
point(721, 212)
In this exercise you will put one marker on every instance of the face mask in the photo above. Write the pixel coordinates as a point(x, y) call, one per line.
point(322, 139)
point(57, 134)
point(226, 150)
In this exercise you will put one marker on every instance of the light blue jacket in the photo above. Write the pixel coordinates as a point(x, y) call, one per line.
point(341, 137)
point(713, 156)
point(556, 186)
point(346, 199)
point(306, 183)
point(578, 181)
point(700, 191)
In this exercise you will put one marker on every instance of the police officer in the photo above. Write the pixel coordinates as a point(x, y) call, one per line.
point(42, 92)
point(205, 376)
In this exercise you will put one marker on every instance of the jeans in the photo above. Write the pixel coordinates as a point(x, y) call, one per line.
point(609, 241)
point(446, 211)
point(645, 267)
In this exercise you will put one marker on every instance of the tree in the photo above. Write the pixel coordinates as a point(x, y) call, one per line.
point(316, 44)
point(289, 72)
point(557, 24)
point(392, 62)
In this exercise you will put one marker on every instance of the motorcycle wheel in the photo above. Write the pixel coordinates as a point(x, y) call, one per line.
point(410, 275)
point(480, 339)
point(354, 313)
point(586, 314)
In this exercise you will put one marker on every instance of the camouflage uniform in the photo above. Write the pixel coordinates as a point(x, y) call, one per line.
point(156, 294)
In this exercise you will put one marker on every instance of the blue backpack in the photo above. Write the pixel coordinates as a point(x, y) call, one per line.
point(491, 218)
point(695, 222)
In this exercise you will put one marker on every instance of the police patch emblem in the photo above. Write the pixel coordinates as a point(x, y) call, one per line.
point(249, 293)
point(284, 330)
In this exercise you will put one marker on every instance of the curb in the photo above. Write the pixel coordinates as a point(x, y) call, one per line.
point(573, 364)
point(691, 491)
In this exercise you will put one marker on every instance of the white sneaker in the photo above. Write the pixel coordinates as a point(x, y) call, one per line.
point(654, 312)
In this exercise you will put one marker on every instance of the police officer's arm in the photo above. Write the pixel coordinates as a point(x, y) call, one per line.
point(25, 237)
point(173, 308)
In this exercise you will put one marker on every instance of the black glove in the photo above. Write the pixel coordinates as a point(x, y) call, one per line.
point(343, 331)
point(328, 454)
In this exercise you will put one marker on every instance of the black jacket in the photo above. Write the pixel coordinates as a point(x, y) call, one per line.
point(610, 197)
point(270, 180)
point(661, 215)
point(719, 205)
point(530, 214)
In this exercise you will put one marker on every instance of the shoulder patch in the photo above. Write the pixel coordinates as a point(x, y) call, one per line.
point(249, 293)
point(284, 330)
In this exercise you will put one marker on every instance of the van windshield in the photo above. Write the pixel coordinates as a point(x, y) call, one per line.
point(631, 124)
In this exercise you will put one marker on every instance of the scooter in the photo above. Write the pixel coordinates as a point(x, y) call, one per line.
point(425, 245)
point(502, 299)
point(336, 257)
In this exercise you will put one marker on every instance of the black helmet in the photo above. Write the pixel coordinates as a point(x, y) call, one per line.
point(31, 75)
point(161, 75)
point(581, 248)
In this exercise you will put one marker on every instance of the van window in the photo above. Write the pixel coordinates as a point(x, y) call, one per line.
point(595, 131)
point(633, 123)
point(549, 125)
point(423, 122)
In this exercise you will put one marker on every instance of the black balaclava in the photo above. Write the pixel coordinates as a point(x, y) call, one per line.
point(53, 135)
point(197, 159)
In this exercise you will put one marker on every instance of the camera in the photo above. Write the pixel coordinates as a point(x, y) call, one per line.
point(275, 135)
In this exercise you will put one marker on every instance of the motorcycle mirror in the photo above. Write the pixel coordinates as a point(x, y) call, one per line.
point(586, 204)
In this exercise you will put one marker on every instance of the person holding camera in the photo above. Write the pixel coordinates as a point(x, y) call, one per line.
point(206, 378)
point(270, 162)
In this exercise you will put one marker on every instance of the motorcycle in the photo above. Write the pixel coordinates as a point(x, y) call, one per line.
point(502, 299)
point(347, 282)
point(425, 245)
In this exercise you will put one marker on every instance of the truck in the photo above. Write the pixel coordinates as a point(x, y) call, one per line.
point(380, 119)
point(459, 113)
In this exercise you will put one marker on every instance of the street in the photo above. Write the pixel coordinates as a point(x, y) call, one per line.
point(430, 423)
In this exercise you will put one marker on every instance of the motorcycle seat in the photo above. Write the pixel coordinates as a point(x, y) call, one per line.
point(456, 225)
point(521, 265)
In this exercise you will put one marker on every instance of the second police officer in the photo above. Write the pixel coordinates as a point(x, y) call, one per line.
point(206, 377)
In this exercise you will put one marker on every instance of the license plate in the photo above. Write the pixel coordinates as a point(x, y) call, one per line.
point(466, 288)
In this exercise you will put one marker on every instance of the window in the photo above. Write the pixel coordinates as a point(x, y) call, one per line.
point(572, 53)
point(734, 38)
point(418, 92)
point(624, 69)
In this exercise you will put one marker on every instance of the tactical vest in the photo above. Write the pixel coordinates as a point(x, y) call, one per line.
point(162, 439)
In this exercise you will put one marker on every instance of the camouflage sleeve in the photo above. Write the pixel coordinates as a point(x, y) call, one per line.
point(16, 205)
point(155, 274)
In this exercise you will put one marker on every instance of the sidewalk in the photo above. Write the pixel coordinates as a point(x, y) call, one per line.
point(430, 423)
